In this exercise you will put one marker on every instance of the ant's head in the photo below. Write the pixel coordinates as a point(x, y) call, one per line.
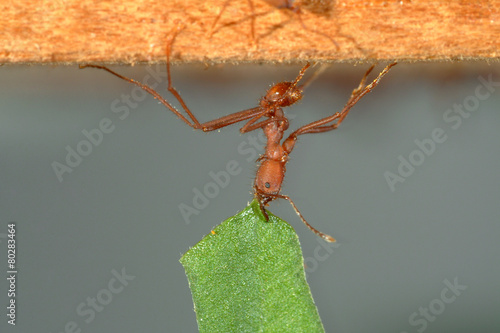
point(281, 95)
point(269, 178)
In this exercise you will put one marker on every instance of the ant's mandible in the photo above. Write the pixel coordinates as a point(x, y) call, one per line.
point(270, 117)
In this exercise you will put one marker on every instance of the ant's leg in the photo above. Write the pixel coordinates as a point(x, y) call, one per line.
point(171, 89)
point(325, 124)
point(252, 24)
point(212, 28)
point(299, 16)
point(250, 126)
point(355, 96)
point(326, 237)
point(213, 124)
point(194, 123)
point(233, 118)
point(207, 126)
point(148, 90)
point(290, 6)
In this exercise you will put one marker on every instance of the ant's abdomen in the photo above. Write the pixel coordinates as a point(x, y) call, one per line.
point(269, 177)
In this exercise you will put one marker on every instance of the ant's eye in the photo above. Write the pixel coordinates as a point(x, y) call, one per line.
point(267, 185)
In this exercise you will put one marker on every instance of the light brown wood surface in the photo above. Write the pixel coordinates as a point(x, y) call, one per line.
point(70, 31)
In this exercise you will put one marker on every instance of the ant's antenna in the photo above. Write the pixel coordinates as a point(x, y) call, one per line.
point(314, 76)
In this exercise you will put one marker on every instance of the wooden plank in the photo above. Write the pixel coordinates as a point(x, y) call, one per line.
point(127, 31)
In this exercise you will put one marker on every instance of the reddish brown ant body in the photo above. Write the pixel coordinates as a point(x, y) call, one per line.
point(270, 117)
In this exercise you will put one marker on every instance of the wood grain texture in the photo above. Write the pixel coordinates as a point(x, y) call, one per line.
point(126, 31)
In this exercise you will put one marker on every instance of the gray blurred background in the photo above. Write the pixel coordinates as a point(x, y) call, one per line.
point(418, 255)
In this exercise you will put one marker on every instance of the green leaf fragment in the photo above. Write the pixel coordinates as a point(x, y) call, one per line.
point(248, 276)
